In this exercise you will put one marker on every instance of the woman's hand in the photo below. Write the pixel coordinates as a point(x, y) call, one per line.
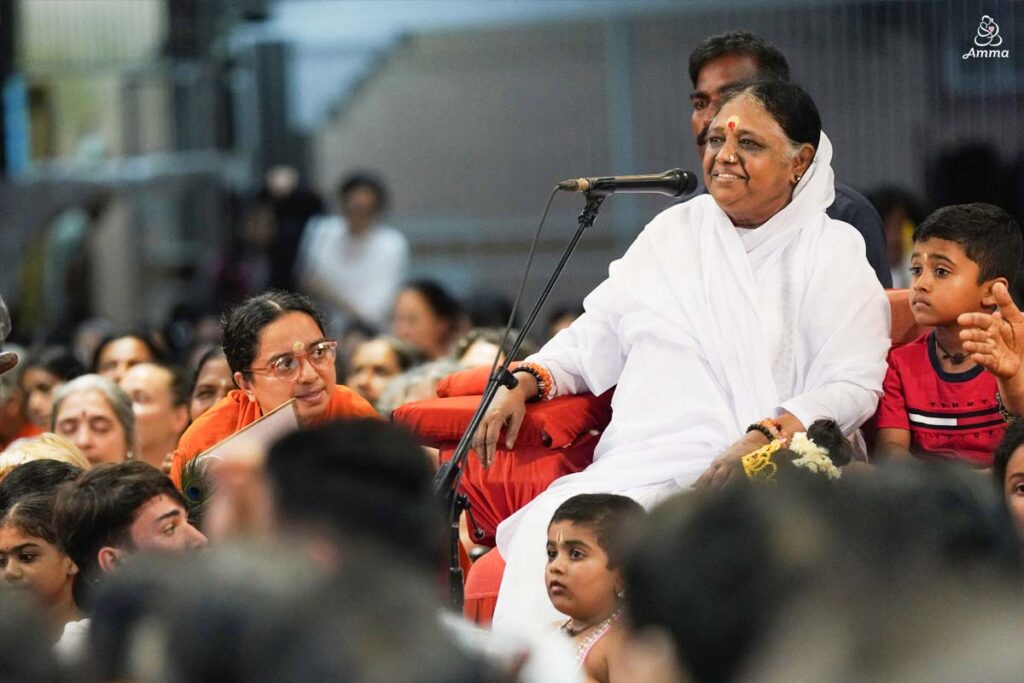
point(507, 411)
point(995, 341)
point(725, 468)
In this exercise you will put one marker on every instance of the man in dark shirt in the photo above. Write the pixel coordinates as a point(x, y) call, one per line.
point(722, 60)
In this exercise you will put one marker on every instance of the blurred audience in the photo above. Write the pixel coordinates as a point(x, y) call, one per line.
point(121, 350)
point(43, 372)
point(479, 347)
point(417, 384)
point(901, 211)
point(46, 446)
point(96, 416)
point(561, 317)
point(14, 422)
point(375, 362)
point(715, 572)
point(282, 208)
point(160, 401)
point(211, 381)
point(428, 317)
point(352, 263)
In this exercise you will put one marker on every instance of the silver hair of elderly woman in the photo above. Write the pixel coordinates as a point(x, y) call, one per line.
point(120, 402)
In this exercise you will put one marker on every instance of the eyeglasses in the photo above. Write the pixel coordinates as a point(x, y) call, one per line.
point(286, 368)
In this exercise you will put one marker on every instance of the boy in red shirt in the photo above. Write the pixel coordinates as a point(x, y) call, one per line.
point(939, 403)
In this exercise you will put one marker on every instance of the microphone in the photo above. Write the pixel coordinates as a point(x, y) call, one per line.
point(674, 183)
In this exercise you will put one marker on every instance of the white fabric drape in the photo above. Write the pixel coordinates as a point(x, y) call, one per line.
point(704, 329)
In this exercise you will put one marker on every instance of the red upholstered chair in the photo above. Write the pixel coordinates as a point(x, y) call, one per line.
point(557, 438)
point(482, 582)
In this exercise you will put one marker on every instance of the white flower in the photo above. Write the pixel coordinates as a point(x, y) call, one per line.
point(812, 456)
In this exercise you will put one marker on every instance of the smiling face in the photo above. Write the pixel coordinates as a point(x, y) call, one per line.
point(578, 579)
point(944, 283)
point(293, 334)
point(750, 166)
point(87, 420)
point(35, 565)
point(1013, 488)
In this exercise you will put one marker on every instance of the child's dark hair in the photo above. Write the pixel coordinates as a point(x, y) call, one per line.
point(605, 514)
point(1012, 440)
point(989, 236)
point(32, 515)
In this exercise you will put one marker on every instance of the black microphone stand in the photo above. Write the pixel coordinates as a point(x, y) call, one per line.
point(446, 481)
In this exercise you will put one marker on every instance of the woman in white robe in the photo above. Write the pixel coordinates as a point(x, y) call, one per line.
point(744, 304)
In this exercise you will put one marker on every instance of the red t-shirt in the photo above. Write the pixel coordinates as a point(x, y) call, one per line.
point(950, 416)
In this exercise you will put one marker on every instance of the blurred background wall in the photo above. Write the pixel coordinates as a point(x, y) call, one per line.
point(136, 130)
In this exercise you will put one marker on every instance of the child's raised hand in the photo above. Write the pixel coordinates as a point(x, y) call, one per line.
point(995, 341)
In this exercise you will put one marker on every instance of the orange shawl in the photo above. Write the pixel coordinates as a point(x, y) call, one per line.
point(236, 410)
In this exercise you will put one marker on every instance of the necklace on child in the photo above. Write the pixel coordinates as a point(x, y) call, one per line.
point(583, 648)
point(954, 358)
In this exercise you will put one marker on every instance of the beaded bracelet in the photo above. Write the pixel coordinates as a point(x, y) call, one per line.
point(545, 382)
point(772, 429)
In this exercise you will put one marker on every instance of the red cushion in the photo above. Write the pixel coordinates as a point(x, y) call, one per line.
point(470, 382)
point(557, 438)
point(482, 583)
point(552, 424)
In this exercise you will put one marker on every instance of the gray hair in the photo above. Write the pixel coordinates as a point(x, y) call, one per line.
point(119, 401)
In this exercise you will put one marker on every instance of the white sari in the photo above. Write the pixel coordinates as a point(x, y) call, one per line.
point(706, 328)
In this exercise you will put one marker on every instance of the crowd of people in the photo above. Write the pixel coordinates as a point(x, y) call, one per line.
point(779, 493)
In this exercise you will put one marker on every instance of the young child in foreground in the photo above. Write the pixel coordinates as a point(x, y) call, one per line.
point(939, 401)
point(584, 581)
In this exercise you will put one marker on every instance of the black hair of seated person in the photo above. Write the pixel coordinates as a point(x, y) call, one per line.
point(440, 300)
point(56, 360)
point(771, 63)
point(260, 614)
point(242, 325)
point(1013, 438)
point(368, 181)
point(988, 235)
point(787, 103)
point(35, 476)
point(26, 654)
point(98, 508)
point(488, 308)
point(358, 481)
point(715, 569)
point(156, 349)
point(609, 516)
